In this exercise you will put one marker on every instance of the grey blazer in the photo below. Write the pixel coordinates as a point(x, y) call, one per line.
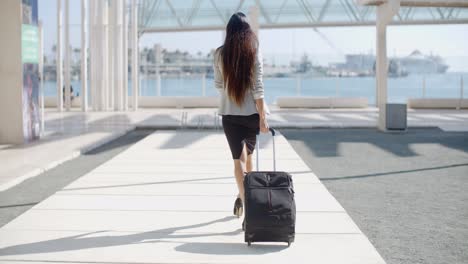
point(229, 107)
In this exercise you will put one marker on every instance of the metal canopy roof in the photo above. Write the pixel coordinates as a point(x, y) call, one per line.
point(189, 15)
point(420, 3)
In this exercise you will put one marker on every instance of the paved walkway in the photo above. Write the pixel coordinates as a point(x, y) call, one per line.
point(68, 134)
point(168, 199)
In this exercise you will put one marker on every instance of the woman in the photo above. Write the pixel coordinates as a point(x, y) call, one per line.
point(238, 70)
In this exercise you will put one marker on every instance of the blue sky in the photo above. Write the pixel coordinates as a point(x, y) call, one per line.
point(449, 41)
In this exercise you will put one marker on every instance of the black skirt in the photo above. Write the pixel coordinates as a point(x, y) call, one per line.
point(240, 130)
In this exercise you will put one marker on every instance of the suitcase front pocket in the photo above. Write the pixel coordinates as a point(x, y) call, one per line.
point(270, 206)
point(283, 206)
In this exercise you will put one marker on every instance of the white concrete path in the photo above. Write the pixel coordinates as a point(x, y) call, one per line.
point(168, 199)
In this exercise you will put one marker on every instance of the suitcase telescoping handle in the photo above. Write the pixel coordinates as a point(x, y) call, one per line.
point(273, 132)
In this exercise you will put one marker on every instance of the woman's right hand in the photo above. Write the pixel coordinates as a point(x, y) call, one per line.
point(264, 128)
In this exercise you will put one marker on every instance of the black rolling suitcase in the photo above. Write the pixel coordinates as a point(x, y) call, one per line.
point(270, 209)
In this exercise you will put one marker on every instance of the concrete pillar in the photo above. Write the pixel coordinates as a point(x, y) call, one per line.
point(90, 43)
point(135, 55)
point(97, 53)
point(381, 73)
point(385, 13)
point(67, 56)
point(19, 72)
point(159, 61)
point(111, 6)
point(114, 41)
point(108, 54)
point(97, 56)
point(96, 69)
point(118, 44)
point(92, 53)
point(101, 55)
point(59, 66)
point(106, 75)
point(125, 56)
point(95, 61)
point(84, 59)
point(11, 74)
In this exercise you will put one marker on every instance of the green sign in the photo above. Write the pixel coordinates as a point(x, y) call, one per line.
point(29, 44)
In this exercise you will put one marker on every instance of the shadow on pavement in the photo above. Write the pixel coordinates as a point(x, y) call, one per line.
point(391, 173)
point(126, 140)
point(229, 248)
point(325, 142)
point(146, 183)
point(89, 240)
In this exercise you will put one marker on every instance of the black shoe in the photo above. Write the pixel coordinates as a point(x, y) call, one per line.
point(238, 207)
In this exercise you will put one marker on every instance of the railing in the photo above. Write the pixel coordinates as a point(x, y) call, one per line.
point(452, 88)
point(440, 101)
point(196, 80)
point(399, 89)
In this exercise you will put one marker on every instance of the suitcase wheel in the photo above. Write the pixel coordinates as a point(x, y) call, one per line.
point(289, 243)
point(249, 243)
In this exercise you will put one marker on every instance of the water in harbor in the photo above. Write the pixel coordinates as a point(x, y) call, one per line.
point(399, 89)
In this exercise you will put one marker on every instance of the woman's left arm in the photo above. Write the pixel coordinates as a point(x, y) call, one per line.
point(259, 93)
point(258, 90)
point(218, 77)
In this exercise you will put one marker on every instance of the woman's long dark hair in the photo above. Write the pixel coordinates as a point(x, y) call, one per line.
point(238, 55)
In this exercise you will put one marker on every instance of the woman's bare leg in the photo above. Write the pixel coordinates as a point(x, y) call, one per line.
point(240, 167)
point(248, 163)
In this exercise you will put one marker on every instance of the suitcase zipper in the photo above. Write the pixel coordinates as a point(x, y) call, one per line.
point(269, 200)
point(271, 188)
point(269, 192)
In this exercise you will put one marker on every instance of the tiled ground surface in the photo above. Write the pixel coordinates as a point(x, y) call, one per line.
point(168, 199)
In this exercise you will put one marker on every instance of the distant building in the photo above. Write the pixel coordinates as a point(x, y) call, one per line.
point(357, 63)
point(354, 65)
